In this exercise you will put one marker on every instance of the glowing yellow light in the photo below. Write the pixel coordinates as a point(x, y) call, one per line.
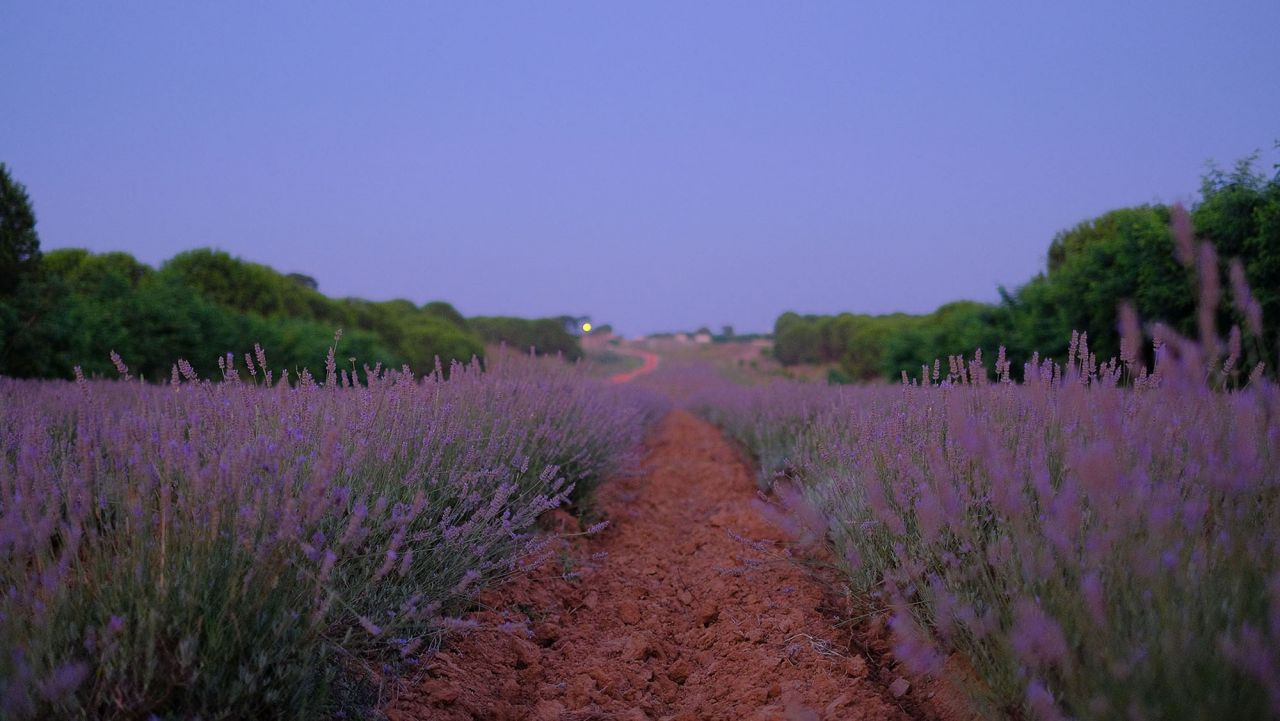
point(586, 327)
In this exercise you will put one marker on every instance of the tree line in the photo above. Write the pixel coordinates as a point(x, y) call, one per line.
point(1126, 256)
point(70, 307)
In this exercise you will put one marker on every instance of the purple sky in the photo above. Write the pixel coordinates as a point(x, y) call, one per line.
point(659, 166)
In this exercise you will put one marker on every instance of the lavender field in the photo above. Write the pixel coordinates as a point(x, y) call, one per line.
point(617, 361)
point(1093, 542)
point(258, 546)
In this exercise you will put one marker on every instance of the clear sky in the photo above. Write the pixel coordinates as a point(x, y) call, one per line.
point(654, 165)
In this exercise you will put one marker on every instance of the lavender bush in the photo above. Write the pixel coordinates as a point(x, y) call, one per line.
point(232, 549)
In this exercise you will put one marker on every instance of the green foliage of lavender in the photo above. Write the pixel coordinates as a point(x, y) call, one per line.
point(241, 548)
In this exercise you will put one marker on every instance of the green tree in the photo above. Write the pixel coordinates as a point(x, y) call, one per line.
point(302, 320)
point(866, 340)
point(545, 336)
point(1123, 256)
point(305, 281)
point(797, 339)
point(446, 312)
point(28, 306)
point(249, 287)
point(1240, 214)
point(960, 328)
point(427, 339)
point(19, 244)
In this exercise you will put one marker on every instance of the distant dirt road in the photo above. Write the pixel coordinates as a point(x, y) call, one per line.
point(665, 615)
point(648, 366)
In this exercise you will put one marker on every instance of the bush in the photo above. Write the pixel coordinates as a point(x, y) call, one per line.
point(201, 304)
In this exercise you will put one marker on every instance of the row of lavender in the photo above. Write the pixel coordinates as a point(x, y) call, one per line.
point(1089, 548)
point(235, 549)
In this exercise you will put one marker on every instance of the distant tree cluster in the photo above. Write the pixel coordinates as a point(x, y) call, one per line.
point(71, 307)
point(1124, 256)
point(544, 336)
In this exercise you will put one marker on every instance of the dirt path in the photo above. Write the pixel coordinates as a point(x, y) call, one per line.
point(649, 363)
point(659, 616)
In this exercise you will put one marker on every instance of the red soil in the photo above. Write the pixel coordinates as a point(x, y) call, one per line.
point(649, 365)
point(679, 621)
